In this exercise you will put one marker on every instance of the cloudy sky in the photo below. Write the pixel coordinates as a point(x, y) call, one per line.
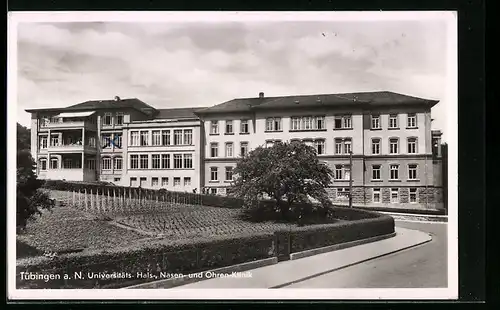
point(203, 64)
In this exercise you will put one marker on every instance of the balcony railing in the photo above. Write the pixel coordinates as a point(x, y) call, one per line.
point(72, 148)
point(69, 174)
point(62, 125)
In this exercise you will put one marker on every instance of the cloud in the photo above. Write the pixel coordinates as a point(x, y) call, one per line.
point(202, 64)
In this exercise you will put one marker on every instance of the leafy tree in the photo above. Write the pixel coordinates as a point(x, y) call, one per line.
point(287, 172)
point(30, 198)
point(23, 137)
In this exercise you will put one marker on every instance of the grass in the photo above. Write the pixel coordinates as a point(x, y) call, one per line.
point(68, 228)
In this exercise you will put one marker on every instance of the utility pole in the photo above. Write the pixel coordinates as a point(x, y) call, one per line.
point(350, 178)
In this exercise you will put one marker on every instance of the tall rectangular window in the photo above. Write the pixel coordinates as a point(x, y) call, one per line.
point(347, 121)
point(214, 127)
point(375, 146)
point(412, 120)
point(412, 145)
point(347, 146)
point(144, 138)
point(177, 137)
point(338, 172)
point(117, 140)
point(213, 174)
point(164, 182)
point(177, 161)
point(54, 163)
point(134, 138)
point(376, 172)
point(54, 140)
point(108, 119)
point(68, 164)
point(43, 142)
point(155, 182)
point(187, 181)
point(308, 123)
point(319, 122)
point(43, 164)
point(393, 121)
point(338, 146)
point(214, 149)
point(188, 161)
point(188, 137)
point(376, 195)
point(165, 161)
point(165, 137)
point(229, 149)
point(119, 118)
point(394, 172)
point(244, 126)
point(319, 145)
point(118, 163)
point(134, 161)
point(177, 181)
point(156, 137)
point(394, 195)
point(155, 161)
point(413, 195)
point(229, 126)
point(144, 161)
point(412, 172)
point(244, 149)
point(393, 145)
point(229, 173)
point(295, 123)
point(106, 141)
point(375, 121)
point(347, 172)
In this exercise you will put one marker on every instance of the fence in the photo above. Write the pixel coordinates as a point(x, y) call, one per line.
point(123, 200)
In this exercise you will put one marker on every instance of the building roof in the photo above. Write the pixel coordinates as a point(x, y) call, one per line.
point(131, 103)
point(382, 98)
point(176, 113)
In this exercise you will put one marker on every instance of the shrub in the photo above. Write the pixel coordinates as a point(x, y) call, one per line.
point(153, 257)
point(30, 199)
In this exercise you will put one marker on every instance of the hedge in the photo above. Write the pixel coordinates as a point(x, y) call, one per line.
point(199, 255)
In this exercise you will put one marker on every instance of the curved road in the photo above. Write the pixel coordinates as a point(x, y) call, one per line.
point(421, 266)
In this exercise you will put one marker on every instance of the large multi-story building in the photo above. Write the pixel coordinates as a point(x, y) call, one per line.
point(123, 141)
point(382, 141)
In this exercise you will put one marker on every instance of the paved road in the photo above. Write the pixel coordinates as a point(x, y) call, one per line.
point(422, 266)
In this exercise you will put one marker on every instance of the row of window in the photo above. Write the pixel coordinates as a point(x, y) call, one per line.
point(155, 181)
point(109, 119)
point(342, 146)
point(214, 174)
point(67, 163)
point(394, 195)
point(394, 172)
point(229, 149)
point(315, 123)
point(55, 140)
point(161, 161)
point(161, 137)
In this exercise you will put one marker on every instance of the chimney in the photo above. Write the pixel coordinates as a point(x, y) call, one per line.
point(261, 95)
point(117, 98)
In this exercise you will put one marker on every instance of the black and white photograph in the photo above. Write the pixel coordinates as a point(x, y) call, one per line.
point(232, 155)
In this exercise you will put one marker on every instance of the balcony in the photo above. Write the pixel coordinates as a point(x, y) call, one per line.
point(69, 125)
point(76, 174)
point(72, 148)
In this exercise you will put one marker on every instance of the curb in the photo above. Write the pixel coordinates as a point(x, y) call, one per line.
point(352, 264)
point(173, 282)
point(336, 247)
